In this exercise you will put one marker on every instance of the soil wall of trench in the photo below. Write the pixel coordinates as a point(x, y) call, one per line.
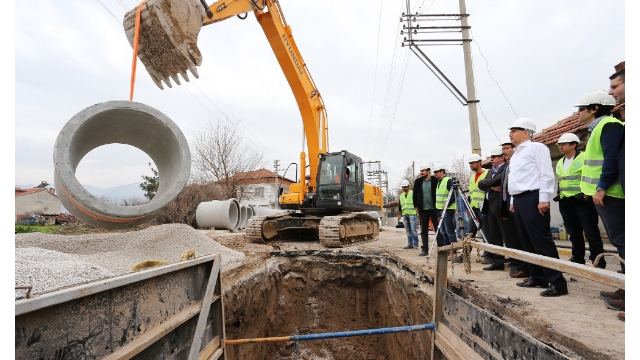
point(281, 296)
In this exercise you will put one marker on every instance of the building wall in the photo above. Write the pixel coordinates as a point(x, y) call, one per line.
point(268, 195)
point(39, 202)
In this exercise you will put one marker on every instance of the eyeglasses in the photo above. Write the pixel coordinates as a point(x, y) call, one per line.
point(613, 87)
point(581, 108)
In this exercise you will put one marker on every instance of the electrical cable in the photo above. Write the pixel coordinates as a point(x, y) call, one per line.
point(108, 10)
point(492, 129)
point(491, 75)
point(375, 78)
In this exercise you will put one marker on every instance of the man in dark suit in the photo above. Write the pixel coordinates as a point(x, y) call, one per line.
point(492, 185)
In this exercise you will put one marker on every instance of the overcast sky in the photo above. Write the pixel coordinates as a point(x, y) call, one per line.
point(544, 55)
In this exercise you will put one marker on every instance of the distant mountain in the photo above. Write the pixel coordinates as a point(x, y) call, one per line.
point(120, 192)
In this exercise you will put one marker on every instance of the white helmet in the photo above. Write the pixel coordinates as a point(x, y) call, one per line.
point(425, 166)
point(475, 157)
point(524, 123)
point(597, 97)
point(496, 151)
point(506, 140)
point(404, 183)
point(438, 167)
point(568, 138)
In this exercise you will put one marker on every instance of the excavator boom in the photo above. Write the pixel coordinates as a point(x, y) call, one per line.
point(167, 47)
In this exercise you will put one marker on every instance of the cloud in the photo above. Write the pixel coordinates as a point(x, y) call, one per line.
point(545, 55)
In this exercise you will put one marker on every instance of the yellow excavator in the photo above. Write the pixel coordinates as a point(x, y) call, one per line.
point(335, 205)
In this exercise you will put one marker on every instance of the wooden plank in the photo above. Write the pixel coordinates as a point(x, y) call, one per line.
point(440, 283)
point(216, 355)
point(452, 346)
point(210, 348)
point(134, 347)
point(196, 343)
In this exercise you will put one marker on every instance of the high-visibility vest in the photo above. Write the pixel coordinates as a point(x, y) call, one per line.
point(477, 195)
point(406, 202)
point(593, 160)
point(442, 194)
point(569, 181)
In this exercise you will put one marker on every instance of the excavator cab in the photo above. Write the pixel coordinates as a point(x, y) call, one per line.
point(340, 182)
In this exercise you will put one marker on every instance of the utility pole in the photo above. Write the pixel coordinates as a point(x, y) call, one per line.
point(471, 86)
point(413, 31)
point(276, 165)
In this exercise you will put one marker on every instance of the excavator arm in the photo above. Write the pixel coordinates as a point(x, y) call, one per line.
point(167, 48)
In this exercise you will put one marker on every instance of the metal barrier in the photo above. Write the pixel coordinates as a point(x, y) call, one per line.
point(453, 315)
point(171, 312)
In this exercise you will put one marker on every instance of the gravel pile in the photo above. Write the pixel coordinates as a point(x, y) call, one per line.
point(47, 269)
point(119, 252)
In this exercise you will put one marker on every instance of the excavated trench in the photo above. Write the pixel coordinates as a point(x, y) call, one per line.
point(287, 293)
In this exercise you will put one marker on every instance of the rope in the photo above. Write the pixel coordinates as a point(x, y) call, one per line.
point(136, 37)
point(597, 259)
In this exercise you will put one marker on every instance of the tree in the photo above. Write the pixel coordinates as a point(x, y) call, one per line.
point(220, 156)
point(409, 176)
point(460, 169)
point(150, 184)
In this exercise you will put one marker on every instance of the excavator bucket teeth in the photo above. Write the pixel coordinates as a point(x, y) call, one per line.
point(167, 44)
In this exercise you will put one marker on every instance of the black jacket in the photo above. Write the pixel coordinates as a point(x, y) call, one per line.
point(418, 198)
point(495, 197)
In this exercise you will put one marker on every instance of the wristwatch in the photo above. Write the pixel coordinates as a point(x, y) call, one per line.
point(598, 189)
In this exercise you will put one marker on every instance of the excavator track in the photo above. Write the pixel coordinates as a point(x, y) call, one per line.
point(261, 229)
point(347, 229)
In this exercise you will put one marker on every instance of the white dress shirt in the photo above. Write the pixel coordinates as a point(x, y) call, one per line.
point(531, 169)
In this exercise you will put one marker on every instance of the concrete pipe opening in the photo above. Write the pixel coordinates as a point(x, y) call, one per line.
point(243, 217)
point(249, 212)
point(120, 122)
point(218, 214)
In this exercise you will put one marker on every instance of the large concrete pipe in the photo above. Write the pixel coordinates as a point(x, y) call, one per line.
point(218, 214)
point(122, 122)
point(243, 217)
point(249, 212)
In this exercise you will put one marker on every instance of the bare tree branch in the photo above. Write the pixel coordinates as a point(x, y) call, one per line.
point(220, 156)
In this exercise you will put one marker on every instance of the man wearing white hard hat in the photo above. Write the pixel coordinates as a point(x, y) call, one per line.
point(446, 210)
point(491, 185)
point(601, 173)
point(408, 213)
point(578, 211)
point(531, 186)
point(424, 197)
point(476, 195)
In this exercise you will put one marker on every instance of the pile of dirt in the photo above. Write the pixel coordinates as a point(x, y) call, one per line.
point(119, 252)
point(47, 269)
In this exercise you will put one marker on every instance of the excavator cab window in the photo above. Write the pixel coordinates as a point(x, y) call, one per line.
point(333, 173)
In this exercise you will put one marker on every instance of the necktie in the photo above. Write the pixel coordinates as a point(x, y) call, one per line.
point(505, 182)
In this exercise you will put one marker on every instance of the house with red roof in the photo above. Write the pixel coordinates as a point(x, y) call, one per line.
point(260, 186)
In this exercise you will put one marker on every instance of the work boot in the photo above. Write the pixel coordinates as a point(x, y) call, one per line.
point(613, 295)
point(486, 260)
point(615, 304)
point(457, 260)
point(422, 253)
point(408, 247)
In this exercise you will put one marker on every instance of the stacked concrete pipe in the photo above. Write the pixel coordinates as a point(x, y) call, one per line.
point(122, 122)
point(243, 217)
point(219, 214)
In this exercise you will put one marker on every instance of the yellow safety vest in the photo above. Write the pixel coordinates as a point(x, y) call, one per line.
point(406, 202)
point(442, 194)
point(569, 181)
point(477, 195)
point(593, 160)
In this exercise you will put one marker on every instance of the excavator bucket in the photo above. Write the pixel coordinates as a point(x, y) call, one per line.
point(167, 44)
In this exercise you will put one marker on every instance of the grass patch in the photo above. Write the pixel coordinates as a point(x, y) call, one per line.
point(21, 229)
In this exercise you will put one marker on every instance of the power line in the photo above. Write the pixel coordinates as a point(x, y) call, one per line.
point(491, 75)
point(108, 10)
point(494, 132)
point(375, 78)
